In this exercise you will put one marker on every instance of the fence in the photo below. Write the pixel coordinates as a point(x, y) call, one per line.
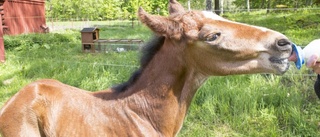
point(56, 24)
point(270, 10)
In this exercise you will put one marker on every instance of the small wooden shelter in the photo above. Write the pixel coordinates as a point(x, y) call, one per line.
point(88, 37)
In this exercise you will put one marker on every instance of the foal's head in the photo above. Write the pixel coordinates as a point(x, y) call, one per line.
point(213, 45)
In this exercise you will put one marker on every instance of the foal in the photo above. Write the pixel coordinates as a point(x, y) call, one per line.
point(190, 47)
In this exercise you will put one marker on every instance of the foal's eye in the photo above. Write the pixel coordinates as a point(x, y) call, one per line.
point(213, 36)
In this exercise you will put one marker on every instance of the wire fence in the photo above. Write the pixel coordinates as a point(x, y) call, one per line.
point(270, 10)
point(56, 24)
point(74, 62)
point(307, 73)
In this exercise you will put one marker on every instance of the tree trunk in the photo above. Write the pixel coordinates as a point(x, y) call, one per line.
point(296, 5)
point(217, 6)
point(221, 6)
point(248, 5)
point(209, 5)
point(268, 6)
point(309, 3)
point(262, 4)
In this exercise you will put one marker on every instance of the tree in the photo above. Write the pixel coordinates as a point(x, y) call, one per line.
point(269, 5)
point(262, 5)
point(248, 5)
point(217, 7)
point(209, 5)
point(221, 6)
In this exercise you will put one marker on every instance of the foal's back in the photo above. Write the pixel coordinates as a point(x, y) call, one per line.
point(51, 108)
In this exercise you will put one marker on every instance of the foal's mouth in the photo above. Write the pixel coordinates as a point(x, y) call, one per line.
point(279, 60)
point(281, 64)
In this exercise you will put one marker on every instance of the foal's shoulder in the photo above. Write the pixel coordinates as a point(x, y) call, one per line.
point(47, 81)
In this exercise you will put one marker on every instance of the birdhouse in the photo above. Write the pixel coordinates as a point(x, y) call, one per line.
point(88, 37)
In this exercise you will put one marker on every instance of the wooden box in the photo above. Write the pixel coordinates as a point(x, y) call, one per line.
point(88, 37)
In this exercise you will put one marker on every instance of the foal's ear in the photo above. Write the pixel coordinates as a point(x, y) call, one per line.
point(175, 7)
point(160, 25)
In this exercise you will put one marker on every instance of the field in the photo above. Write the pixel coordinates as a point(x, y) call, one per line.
point(237, 106)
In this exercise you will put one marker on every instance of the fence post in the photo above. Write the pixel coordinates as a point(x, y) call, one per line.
point(132, 22)
point(2, 50)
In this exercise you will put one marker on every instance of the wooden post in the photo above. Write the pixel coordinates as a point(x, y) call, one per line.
point(2, 51)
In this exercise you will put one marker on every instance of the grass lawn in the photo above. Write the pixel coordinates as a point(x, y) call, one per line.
point(244, 105)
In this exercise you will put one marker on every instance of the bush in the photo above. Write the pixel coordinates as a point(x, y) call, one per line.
point(36, 41)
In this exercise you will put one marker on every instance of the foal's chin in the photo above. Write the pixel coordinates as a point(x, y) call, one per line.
point(279, 65)
point(280, 69)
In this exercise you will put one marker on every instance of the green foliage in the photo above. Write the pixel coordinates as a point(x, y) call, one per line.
point(127, 9)
point(262, 4)
point(111, 9)
point(36, 41)
point(253, 105)
point(137, 32)
point(103, 9)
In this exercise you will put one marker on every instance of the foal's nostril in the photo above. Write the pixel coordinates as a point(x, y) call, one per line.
point(283, 42)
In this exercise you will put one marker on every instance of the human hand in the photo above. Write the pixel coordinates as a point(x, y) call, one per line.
point(313, 64)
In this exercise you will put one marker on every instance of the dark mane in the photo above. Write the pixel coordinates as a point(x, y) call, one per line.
point(148, 51)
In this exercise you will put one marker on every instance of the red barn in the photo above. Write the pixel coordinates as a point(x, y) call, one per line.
point(23, 16)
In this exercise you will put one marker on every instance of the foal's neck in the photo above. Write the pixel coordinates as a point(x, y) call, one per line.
point(169, 73)
point(168, 86)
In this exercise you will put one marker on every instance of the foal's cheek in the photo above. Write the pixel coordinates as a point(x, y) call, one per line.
point(192, 35)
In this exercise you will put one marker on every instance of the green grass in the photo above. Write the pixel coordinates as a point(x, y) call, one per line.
point(237, 106)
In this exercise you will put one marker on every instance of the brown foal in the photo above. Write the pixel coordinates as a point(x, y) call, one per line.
point(189, 47)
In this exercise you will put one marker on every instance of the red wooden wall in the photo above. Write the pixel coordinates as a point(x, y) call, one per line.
point(23, 16)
